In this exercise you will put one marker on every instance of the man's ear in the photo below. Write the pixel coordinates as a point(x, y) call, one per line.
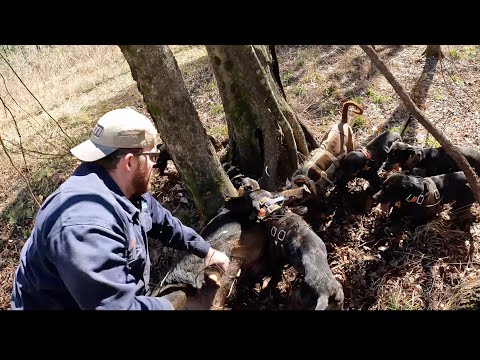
point(127, 161)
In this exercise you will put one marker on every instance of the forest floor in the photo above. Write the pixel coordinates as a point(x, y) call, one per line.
point(429, 267)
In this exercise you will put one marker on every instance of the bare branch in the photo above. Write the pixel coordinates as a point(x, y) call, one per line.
point(11, 162)
point(8, 92)
point(46, 112)
point(30, 151)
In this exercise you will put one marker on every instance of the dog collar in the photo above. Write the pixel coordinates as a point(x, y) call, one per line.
point(432, 194)
point(415, 199)
point(268, 206)
point(366, 153)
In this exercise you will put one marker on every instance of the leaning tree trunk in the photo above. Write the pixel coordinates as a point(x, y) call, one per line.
point(433, 50)
point(264, 132)
point(159, 80)
point(418, 114)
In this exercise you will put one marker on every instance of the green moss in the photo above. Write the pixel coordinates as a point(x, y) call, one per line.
point(456, 79)
point(297, 90)
point(431, 142)
point(211, 86)
point(359, 122)
point(219, 130)
point(241, 114)
point(217, 109)
point(286, 77)
point(399, 128)
point(377, 98)
point(454, 53)
point(396, 303)
point(154, 110)
point(330, 91)
point(358, 100)
point(210, 191)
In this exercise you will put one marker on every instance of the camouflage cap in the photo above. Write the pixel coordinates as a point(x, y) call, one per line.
point(120, 128)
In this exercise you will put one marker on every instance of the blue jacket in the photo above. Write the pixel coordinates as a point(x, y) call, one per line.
point(88, 248)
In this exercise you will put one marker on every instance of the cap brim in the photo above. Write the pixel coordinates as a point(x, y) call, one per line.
point(88, 151)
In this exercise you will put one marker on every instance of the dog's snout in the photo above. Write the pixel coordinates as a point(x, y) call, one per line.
point(388, 166)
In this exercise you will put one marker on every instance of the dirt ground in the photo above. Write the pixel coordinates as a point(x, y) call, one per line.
point(429, 267)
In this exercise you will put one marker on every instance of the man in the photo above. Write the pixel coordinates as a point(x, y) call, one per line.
point(88, 248)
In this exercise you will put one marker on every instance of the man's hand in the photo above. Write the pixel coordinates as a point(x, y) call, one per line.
point(217, 257)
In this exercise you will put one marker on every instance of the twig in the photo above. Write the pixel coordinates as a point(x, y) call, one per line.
point(32, 151)
point(24, 178)
point(8, 92)
point(46, 112)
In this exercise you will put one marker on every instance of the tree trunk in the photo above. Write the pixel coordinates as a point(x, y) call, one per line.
point(159, 80)
point(265, 134)
point(418, 114)
point(433, 50)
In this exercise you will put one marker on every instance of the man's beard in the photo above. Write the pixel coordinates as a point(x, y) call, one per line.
point(141, 181)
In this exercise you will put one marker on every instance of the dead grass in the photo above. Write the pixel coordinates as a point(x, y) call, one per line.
point(426, 268)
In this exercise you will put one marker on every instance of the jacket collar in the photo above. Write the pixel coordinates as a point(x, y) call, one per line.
point(87, 168)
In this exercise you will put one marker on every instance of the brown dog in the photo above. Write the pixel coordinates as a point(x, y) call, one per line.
point(316, 173)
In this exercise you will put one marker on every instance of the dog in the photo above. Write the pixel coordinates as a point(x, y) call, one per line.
point(295, 243)
point(291, 197)
point(365, 162)
point(231, 232)
point(428, 161)
point(162, 160)
point(422, 198)
point(318, 170)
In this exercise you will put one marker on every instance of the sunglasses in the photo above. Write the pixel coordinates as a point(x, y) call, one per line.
point(153, 155)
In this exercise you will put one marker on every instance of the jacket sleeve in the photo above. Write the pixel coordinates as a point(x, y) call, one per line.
point(91, 260)
point(171, 232)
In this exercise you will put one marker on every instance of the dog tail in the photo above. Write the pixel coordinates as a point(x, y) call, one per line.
point(358, 110)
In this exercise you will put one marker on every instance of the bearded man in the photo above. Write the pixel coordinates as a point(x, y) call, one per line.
point(89, 246)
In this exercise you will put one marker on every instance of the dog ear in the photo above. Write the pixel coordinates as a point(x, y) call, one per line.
point(407, 184)
point(367, 164)
point(411, 151)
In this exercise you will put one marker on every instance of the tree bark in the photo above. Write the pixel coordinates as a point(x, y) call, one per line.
point(265, 134)
point(433, 50)
point(418, 114)
point(159, 80)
